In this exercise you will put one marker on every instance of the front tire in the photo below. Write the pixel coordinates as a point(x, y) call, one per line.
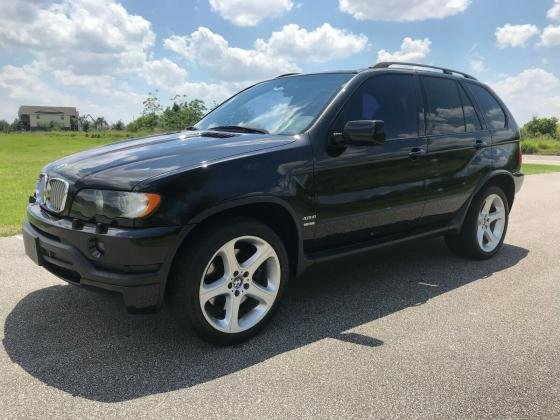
point(485, 226)
point(227, 283)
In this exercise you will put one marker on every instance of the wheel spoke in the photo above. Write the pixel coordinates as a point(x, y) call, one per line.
point(216, 288)
point(227, 252)
point(490, 236)
point(263, 253)
point(497, 215)
point(488, 204)
point(480, 235)
point(261, 294)
point(232, 313)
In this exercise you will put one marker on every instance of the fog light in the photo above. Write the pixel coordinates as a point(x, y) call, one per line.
point(96, 248)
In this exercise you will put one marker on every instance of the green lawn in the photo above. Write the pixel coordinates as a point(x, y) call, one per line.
point(537, 168)
point(24, 154)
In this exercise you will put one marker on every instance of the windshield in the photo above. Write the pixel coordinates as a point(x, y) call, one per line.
point(281, 106)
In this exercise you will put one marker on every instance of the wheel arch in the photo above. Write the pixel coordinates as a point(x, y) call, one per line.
point(500, 178)
point(271, 211)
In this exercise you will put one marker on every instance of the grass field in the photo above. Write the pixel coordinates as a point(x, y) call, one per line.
point(23, 155)
point(537, 168)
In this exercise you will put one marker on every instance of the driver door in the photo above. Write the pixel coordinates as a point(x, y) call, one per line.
point(369, 192)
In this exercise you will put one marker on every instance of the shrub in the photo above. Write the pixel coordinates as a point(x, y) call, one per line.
point(541, 127)
point(540, 145)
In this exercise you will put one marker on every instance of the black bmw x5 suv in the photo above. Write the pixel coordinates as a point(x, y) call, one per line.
point(215, 219)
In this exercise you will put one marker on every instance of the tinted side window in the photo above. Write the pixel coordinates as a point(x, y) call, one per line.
point(391, 98)
point(444, 113)
point(493, 112)
point(471, 118)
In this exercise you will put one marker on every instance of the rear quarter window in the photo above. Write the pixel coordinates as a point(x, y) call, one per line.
point(491, 109)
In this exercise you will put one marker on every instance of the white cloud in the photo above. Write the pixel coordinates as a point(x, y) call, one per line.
point(213, 53)
point(554, 12)
point(82, 51)
point(68, 78)
point(402, 10)
point(84, 36)
point(268, 58)
point(164, 74)
point(550, 36)
point(319, 45)
point(250, 12)
point(412, 50)
point(532, 92)
point(477, 65)
point(515, 35)
point(476, 60)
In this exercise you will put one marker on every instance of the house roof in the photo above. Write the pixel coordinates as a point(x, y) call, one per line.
point(31, 109)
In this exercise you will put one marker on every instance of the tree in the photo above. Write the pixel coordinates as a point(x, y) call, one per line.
point(178, 116)
point(541, 127)
point(151, 104)
point(182, 113)
point(74, 124)
point(84, 123)
point(5, 126)
point(144, 122)
point(119, 126)
point(17, 125)
point(100, 123)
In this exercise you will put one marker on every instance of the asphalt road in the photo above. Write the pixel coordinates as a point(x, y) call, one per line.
point(411, 332)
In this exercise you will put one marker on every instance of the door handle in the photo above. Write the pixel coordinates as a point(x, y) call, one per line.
point(415, 153)
point(479, 144)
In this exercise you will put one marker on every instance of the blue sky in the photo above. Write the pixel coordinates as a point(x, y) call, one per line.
point(103, 56)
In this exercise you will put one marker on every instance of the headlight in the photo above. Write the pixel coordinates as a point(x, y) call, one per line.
point(114, 204)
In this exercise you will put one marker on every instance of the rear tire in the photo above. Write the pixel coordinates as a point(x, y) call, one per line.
point(227, 282)
point(485, 226)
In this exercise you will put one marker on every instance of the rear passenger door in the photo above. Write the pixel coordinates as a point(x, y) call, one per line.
point(504, 130)
point(458, 148)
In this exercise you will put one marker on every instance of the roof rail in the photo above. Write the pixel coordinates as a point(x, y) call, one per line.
point(286, 74)
point(387, 64)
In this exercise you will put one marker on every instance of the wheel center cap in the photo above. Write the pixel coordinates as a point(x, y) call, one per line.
point(237, 282)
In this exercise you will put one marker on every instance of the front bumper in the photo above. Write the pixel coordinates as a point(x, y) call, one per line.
point(134, 262)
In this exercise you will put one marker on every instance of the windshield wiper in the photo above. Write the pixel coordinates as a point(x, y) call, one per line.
point(240, 128)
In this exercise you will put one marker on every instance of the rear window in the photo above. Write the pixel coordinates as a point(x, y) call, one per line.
point(444, 112)
point(493, 112)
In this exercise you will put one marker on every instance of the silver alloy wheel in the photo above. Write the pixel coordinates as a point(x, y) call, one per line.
point(240, 284)
point(491, 223)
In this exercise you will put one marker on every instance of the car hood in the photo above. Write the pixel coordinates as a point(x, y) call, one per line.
point(124, 164)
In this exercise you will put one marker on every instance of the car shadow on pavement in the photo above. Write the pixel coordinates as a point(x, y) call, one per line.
point(86, 344)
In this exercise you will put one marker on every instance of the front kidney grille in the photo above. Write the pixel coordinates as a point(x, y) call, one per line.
point(54, 195)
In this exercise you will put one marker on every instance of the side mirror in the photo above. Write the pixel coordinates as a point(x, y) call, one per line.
point(361, 133)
